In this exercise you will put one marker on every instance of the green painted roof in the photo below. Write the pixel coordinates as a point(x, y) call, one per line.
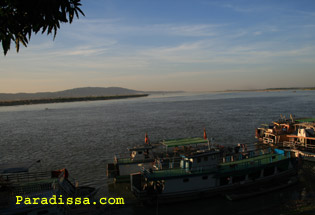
point(306, 120)
point(131, 161)
point(241, 165)
point(184, 142)
point(167, 173)
point(251, 162)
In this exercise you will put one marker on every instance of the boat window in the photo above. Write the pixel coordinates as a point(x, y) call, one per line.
point(139, 152)
point(205, 177)
point(206, 158)
point(198, 160)
point(185, 179)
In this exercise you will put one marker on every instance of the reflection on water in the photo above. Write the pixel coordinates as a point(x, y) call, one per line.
point(81, 136)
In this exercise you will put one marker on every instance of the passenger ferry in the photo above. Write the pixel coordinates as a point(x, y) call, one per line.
point(208, 173)
point(145, 156)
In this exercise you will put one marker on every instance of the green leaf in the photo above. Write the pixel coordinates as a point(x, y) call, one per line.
point(19, 19)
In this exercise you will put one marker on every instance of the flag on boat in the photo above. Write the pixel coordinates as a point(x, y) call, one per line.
point(204, 134)
point(146, 139)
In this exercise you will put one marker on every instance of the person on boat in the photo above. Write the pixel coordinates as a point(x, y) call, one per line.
point(146, 139)
point(58, 173)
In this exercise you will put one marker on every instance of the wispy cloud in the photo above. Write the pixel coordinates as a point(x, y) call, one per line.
point(225, 38)
point(97, 28)
point(238, 8)
point(85, 51)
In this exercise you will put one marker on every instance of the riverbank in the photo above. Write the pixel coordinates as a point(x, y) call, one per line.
point(71, 99)
point(294, 89)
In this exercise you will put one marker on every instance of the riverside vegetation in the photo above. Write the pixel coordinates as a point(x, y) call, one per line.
point(70, 99)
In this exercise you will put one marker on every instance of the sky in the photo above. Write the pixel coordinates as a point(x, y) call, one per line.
point(189, 45)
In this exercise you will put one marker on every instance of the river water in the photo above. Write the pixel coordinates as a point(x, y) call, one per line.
point(82, 136)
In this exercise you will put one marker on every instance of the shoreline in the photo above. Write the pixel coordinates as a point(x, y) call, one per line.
point(269, 90)
point(69, 99)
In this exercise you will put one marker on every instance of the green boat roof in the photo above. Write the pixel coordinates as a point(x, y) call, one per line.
point(229, 167)
point(131, 161)
point(184, 142)
point(306, 120)
point(263, 159)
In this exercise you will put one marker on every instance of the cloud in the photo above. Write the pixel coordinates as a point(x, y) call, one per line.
point(238, 8)
point(81, 51)
point(256, 33)
point(98, 28)
point(121, 51)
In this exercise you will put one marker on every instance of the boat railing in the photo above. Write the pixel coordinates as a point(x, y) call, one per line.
point(25, 183)
point(225, 157)
point(245, 154)
point(245, 163)
point(252, 163)
point(165, 172)
point(127, 158)
point(298, 145)
point(25, 176)
point(290, 144)
point(35, 188)
point(223, 167)
point(131, 161)
point(119, 156)
point(268, 140)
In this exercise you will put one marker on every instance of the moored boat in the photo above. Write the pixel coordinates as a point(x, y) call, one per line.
point(286, 131)
point(276, 132)
point(17, 180)
point(205, 174)
point(295, 135)
point(127, 163)
point(144, 156)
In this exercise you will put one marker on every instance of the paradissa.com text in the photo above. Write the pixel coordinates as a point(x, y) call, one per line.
point(54, 200)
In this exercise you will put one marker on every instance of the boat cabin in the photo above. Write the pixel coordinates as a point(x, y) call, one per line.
point(304, 139)
point(135, 154)
point(201, 161)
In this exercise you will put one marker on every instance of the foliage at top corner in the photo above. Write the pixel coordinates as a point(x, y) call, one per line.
point(20, 18)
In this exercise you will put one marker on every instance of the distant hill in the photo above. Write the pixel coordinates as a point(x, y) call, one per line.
point(76, 92)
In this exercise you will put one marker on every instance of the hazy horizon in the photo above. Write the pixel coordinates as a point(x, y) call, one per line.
point(170, 91)
point(180, 45)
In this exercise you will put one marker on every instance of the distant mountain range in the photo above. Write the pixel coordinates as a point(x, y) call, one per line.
point(72, 93)
point(78, 93)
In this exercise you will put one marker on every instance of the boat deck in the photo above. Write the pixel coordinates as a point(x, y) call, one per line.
point(222, 168)
point(133, 161)
point(184, 142)
point(251, 162)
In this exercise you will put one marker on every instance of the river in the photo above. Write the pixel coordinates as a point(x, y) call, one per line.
point(81, 136)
